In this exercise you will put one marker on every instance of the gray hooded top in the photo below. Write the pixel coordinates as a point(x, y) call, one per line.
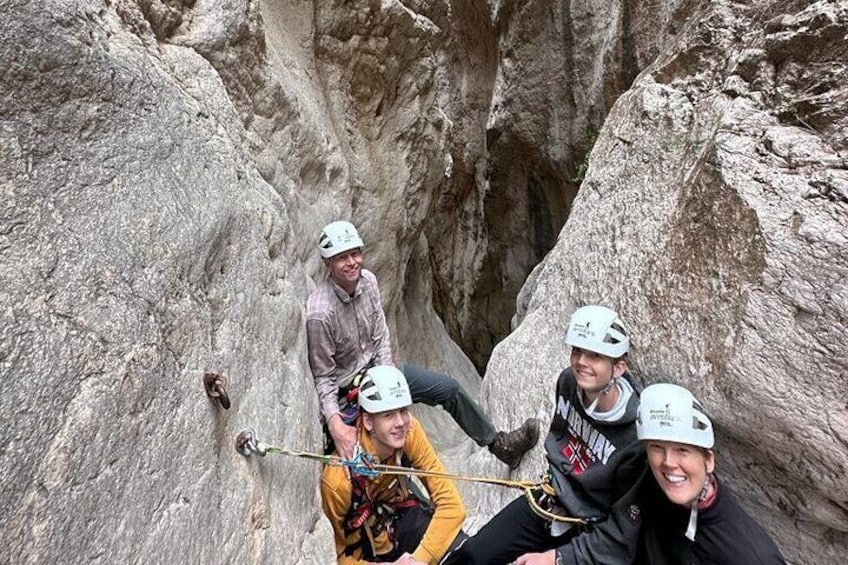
point(593, 464)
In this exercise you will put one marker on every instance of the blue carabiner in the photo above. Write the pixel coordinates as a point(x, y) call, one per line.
point(362, 464)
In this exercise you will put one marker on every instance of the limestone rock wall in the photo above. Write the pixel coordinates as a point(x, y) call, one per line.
point(713, 217)
point(166, 166)
point(140, 248)
point(531, 84)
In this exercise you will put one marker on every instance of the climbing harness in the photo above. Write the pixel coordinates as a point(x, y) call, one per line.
point(364, 464)
point(379, 510)
point(349, 399)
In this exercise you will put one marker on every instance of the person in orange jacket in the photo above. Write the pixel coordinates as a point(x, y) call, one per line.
point(383, 519)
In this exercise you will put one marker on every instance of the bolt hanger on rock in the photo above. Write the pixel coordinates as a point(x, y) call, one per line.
point(248, 444)
point(215, 385)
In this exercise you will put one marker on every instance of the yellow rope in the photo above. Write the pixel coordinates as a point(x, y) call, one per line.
point(527, 486)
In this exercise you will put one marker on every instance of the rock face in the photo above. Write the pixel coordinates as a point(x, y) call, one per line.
point(166, 165)
point(166, 168)
point(713, 217)
point(139, 248)
point(534, 81)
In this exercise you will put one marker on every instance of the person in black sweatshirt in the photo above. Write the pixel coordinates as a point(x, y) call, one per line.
point(594, 459)
point(689, 516)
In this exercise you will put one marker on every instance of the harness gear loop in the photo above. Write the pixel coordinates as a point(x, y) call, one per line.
point(349, 397)
point(353, 393)
point(377, 511)
point(545, 502)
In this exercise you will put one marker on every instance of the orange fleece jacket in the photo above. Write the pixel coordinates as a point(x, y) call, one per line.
point(449, 509)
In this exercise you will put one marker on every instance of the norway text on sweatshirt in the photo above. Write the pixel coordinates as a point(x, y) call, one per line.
point(595, 441)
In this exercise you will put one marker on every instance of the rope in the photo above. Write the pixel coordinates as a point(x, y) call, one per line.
point(363, 465)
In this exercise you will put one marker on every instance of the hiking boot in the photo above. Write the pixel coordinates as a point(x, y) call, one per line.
point(510, 447)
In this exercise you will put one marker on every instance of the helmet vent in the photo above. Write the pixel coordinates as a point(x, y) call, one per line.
point(698, 424)
point(611, 338)
point(371, 391)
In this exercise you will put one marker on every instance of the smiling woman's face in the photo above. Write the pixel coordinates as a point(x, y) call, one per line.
point(680, 469)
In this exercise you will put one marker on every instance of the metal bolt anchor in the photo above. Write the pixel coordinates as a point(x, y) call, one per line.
point(215, 388)
point(248, 444)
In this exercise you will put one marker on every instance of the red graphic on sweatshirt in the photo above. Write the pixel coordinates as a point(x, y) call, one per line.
point(578, 455)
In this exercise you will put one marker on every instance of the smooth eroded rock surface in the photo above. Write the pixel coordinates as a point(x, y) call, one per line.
point(166, 166)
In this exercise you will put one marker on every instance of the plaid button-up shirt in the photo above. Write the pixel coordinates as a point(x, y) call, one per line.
point(344, 335)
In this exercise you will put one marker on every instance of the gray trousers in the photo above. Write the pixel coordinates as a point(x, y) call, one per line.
point(434, 389)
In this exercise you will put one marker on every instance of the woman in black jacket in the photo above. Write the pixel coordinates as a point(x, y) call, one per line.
point(688, 516)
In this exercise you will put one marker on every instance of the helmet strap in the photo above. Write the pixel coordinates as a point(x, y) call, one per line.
point(693, 513)
point(590, 410)
point(693, 521)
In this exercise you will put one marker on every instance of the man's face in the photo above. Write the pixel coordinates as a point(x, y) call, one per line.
point(388, 429)
point(680, 469)
point(593, 371)
point(345, 268)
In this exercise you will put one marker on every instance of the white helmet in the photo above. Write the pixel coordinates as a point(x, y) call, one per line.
point(383, 388)
point(338, 237)
point(669, 412)
point(598, 329)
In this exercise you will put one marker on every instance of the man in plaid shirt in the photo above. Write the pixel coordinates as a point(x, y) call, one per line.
point(347, 333)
